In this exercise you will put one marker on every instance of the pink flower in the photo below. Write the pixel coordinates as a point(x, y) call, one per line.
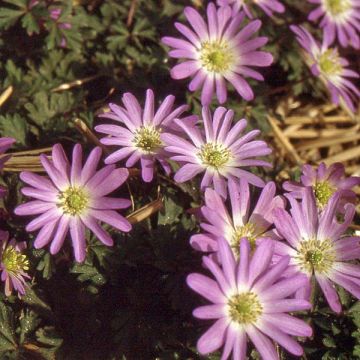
point(249, 300)
point(220, 152)
point(73, 199)
point(13, 265)
point(217, 51)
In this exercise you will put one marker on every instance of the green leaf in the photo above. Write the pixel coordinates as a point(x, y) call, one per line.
point(9, 17)
point(29, 321)
point(30, 23)
point(14, 126)
point(7, 333)
point(50, 340)
point(171, 211)
point(45, 264)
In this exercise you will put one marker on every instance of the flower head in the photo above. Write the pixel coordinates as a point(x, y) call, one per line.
point(268, 6)
point(73, 198)
point(318, 246)
point(340, 19)
point(220, 224)
point(249, 299)
point(326, 63)
point(13, 265)
point(220, 152)
point(217, 51)
point(139, 134)
point(325, 182)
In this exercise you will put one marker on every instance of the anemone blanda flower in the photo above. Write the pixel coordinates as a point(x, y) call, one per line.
point(13, 265)
point(73, 199)
point(268, 6)
point(5, 144)
point(139, 134)
point(326, 63)
point(340, 19)
point(221, 155)
point(249, 300)
point(318, 246)
point(217, 51)
point(220, 224)
point(325, 181)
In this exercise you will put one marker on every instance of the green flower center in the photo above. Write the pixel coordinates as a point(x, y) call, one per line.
point(216, 56)
point(316, 256)
point(248, 231)
point(214, 155)
point(329, 63)
point(14, 261)
point(323, 192)
point(73, 201)
point(147, 139)
point(244, 308)
point(337, 7)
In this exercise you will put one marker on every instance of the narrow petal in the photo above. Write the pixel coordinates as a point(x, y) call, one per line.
point(99, 232)
point(60, 234)
point(75, 174)
point(44, 235)
point(33, 208)
point(213, 338)
point(77, 232)
point(227, 261)
point(285, 287)
point(187, 172)
point(281, 338)
point(112, 218)
point(206, 287)
point(262, 343)
point(147, 168)
point(90, 165)
point(260, 260)
point(289, 324)
point(210, 312)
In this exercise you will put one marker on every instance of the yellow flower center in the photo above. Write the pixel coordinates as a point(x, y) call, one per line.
point(329, 63)
point(323, 192)
point(73, 201)
point(214, 155)
point(147, 139)
point(14, 261)
point(248, 231)
point(337, 7)
point(316, 256)
point(216, 56)
point(244, 308)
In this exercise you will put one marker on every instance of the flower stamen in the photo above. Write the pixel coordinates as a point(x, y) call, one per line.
point(14, 261)
point(323, 192)
point(337, 7)
point(244, 308)
point(147, 139)
point(329, 63)
point(73, 201)
point(248, 231)
point(216, 56)
point(316, 256)
point(214, 155)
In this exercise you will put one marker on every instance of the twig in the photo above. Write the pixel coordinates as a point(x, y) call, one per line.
point(6, 94)
point(146, 211)
point(79, 82)
point(90, 136)
point(131, 13)
point(284, 141)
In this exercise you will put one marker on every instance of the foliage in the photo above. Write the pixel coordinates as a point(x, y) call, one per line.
point(129, 301)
